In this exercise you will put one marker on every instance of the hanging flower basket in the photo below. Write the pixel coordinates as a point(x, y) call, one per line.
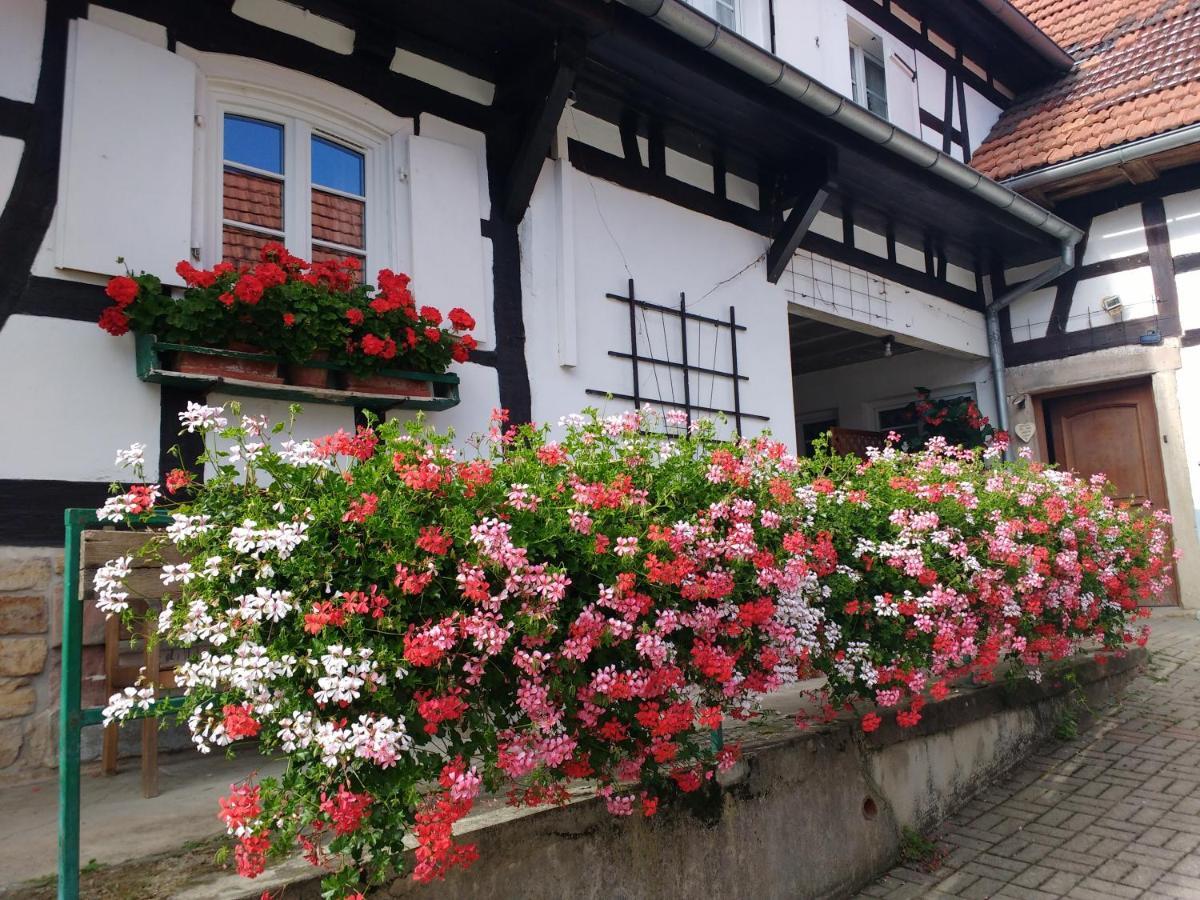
point(320, 332)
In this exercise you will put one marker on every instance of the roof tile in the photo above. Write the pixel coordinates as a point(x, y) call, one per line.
point(1137, 74)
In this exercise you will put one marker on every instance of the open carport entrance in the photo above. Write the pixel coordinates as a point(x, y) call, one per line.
point(859, 381)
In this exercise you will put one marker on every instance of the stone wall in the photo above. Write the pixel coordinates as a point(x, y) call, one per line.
point(30, 637)
point(814, 814)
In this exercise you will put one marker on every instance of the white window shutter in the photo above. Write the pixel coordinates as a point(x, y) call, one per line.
point(448, 252)
point(125, 185)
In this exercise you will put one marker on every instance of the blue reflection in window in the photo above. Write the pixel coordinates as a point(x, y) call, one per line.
point(253, 142)
point(335, 166)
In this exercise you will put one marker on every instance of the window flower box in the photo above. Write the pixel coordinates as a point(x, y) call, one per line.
point(159, 362)
point(321, 333)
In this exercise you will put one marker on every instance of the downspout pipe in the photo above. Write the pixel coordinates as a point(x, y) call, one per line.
point(1065, 263)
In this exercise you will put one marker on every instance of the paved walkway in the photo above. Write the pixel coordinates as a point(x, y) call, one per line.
point(1113, 813)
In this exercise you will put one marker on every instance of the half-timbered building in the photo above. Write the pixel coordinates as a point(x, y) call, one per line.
point(773, 210)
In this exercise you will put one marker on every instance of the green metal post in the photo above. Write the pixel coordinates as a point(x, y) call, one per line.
point(69, 724)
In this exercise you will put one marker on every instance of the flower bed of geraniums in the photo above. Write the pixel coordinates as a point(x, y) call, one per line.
point(312, 329)
point(409, 624)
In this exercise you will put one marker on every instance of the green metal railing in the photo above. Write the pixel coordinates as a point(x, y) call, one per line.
point(72, 717)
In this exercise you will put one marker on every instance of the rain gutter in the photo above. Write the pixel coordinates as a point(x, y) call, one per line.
point(1180, 137)
point(698, 29)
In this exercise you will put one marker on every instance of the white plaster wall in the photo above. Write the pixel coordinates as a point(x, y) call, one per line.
point(852, 297)
point(10, 160)
point(813, 36)
point(1135, 287)
point(1187, 286)
point(21, 25)
point(618, 234)
point(70, 401)
point(1116, 234)
point(480, 395)
point(856, 391)
point(1188, 386)
point(1183, 222)
point(981, 115)
point(1030, 314)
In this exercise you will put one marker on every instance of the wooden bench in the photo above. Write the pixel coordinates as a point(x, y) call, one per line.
point(127, 654)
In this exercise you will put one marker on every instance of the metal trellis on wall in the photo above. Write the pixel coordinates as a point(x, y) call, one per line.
point(687, 365)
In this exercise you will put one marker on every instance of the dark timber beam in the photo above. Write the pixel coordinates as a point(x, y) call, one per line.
point(813, 191)
point(538, 134)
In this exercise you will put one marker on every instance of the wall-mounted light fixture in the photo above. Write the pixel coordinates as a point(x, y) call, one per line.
point(1111, 305)
point(887, 345)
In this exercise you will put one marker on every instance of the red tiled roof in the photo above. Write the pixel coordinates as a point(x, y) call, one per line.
point(1136, 74)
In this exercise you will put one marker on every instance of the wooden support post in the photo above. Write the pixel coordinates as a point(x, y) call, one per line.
point(538, 134)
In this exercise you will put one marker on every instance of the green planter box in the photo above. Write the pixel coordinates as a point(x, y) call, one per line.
point(151, 367)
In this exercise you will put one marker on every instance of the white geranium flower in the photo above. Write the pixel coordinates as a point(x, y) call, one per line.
point(198, 417)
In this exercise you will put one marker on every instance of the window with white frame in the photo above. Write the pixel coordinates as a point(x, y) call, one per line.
point(284, 180)
point(868, 75)
point(724, 11)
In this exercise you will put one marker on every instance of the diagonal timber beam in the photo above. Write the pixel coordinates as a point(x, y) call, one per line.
point(813, 189)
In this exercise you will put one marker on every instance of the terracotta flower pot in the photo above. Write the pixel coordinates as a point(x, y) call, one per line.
point(387, 384)
point(309, 376)
point(261, 370)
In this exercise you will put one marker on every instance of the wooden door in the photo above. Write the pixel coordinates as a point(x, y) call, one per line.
point(1113, 431)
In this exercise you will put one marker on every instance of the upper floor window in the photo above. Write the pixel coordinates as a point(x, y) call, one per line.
point(868, 76)
point(284, 181)
point(724, 11)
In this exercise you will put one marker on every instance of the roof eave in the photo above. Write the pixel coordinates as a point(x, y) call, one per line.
point(1022, 26)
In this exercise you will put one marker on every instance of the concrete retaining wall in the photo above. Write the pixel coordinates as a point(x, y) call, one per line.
point(804, 815)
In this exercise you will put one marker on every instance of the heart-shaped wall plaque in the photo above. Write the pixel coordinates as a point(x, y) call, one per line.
point(1025, 430)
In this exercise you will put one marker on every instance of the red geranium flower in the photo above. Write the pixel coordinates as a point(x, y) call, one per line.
point(461, 319)
point(114, 321)
point(249, 289)
point(123, 290)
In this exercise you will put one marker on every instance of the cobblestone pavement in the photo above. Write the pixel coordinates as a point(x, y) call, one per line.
point(1113, 813)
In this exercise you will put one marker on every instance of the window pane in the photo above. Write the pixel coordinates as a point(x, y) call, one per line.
point(855, 88)
point(252, 199)
point(240, 247)
point(337, 167)
point(876, 85)
point(252, 142)
point(339, 220)
point(726, 13)
point(323, 254)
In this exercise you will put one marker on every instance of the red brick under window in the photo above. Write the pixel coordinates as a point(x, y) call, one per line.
point(253, 200)
point(242, 247)
point(338, 220)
